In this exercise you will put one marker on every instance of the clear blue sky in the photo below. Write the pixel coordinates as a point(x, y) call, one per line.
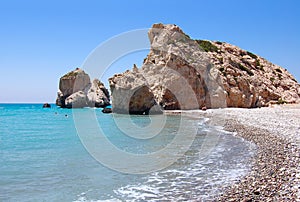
point(42, 40)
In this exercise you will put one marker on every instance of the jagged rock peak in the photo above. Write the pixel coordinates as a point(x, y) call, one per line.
point(157, 29)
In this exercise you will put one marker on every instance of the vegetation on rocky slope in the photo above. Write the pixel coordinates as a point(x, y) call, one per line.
point(207, 46)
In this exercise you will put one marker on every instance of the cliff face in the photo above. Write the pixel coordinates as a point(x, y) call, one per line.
point(76, 91)
point(181, 73)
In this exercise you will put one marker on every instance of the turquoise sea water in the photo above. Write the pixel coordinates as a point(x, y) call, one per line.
point(43, 159)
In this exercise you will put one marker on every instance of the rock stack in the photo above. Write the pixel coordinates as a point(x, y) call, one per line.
point(76, 91)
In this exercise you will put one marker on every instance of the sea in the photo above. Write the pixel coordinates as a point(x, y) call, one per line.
point(53, 154)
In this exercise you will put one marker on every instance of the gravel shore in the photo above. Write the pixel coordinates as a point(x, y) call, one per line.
point(275, 174)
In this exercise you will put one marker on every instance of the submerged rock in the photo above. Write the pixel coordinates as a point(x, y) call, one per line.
point(77, 91)
point(181, 73)
point(106, 110)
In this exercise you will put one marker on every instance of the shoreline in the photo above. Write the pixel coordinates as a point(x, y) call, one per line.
point(275, 171)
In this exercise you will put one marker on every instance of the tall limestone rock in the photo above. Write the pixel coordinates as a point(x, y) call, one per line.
point(181, 73)
point(77, 91)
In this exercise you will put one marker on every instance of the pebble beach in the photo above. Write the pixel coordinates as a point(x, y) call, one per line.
point(275, 174)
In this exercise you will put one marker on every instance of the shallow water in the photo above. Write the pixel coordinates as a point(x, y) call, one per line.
point(43, 159)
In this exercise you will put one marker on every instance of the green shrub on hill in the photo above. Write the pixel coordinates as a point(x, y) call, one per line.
point(207, 46)
point(252, 55)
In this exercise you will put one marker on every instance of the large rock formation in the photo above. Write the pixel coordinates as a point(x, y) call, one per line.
point(77, 91)
point(181, 73)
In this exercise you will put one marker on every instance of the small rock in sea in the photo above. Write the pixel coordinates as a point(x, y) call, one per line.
point(46, 105)
point(106, 110)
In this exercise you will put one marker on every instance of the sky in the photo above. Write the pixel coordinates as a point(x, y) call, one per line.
point(42, 40)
